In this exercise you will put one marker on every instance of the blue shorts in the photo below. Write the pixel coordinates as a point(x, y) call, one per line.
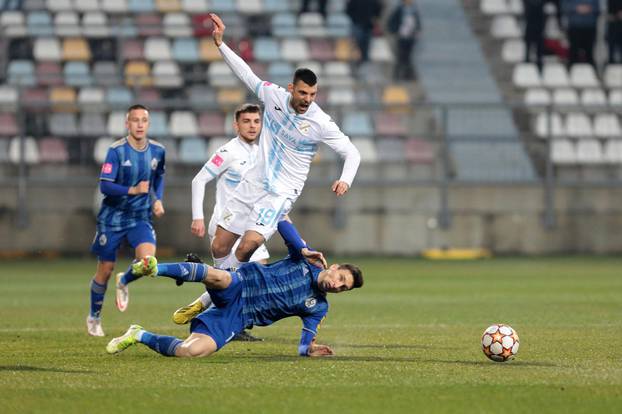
point(106, 243)
point(223, 319)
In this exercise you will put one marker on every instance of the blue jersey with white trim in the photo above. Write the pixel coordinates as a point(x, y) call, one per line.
point(281, 289)
point(127, 166)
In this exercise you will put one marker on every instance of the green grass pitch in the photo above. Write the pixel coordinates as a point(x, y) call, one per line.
point(409, 341)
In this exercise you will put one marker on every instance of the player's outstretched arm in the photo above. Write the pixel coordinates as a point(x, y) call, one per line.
point(236, 63)
point(297, 246)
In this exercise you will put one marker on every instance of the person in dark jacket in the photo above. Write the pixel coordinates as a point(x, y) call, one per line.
point(535, 20)
point(364, 14)
point(614, 30)
point(405, 23)
point(581, 20)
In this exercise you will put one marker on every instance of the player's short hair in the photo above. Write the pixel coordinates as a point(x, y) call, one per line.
point(137, 106)
point(357, 275)
point(247, 108)
point(306, 75)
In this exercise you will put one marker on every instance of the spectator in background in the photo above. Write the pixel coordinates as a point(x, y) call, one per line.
point(405, 23)
point(535, 20)
point(614, 30)
point(364, 15)
point(581, 20)
point(321, 4)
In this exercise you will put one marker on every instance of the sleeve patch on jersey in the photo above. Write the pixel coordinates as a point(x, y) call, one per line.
point(107, 168)
point(217, 160)
point(266, 83)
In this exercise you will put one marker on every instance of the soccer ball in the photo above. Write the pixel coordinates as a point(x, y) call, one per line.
point(500, 342)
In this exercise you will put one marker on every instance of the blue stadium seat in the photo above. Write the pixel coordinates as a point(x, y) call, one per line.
point(158, 126)
point(63, 124)
point(267, 49)
point(202, 97)
point(21, 72)
point(39, 23)
point(222, 6)
point(276, 6)
point(140, 6)
point(186, 50)
point(284, 25)
point(119, 97)
point(193, 150)
point(280, 73)
point(357, 124)
point(92, 125)
point(77, 74)
point(338, 25)
point(127, 28)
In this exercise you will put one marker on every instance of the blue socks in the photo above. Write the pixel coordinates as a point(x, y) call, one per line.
point(128, 277)
point(187, 272)
point(162, 344)
point(97, 298)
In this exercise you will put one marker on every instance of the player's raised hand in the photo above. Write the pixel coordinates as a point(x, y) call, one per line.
point(198, 228)
point(140, 188)
point(158, 208)
point(340, 187)
point(317, 350)
point(219, 28)
point(315, 258)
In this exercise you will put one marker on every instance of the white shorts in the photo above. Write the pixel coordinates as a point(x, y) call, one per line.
point(261, 253)
point(253, 208)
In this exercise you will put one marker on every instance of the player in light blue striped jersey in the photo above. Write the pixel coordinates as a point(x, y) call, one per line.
point(255, 294)
point(132, 181)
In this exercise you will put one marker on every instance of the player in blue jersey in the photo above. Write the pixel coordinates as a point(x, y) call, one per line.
point(256, 294)
point(132, 181)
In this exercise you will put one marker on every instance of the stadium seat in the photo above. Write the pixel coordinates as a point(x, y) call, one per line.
point(49, 74)
point(211, 124)
point(223, 6)
point(106, 73)
point(63, 98)
point(219, 75)
point(91, 99)
point(157, 48)
point(104, 49)
point(340, 96)
point(4, 150)
point(76, 49)
point(92, 125)
point(494, 7)
point(158, 126)
point(202, 97)
point(391, 150)
point(185, 50)
point(216, 142)
point(8, 124)
point(345, 50)
point(357, 124)
point(67, 23)
point(140, 6)
point(168, 6)
point(582, 75)
point(138, 73)
point(505, 27)
point(172, 153)
point(367, 149)
point(95, 24)
point(615, 99)
point(39, 23)
point(284, 25)
point(13, 24)
point(194, 6)
point(578, 125)
point(31, 152)
point(554, 75)
point(177, 25)
point(53, 150)
point(183, 123)
point(260, 69)
point(114, 6)
point(395, 95)
point(47, 48)
point(34, 99)
point(380, 50)
point(86, 5)
point(126, 28)
point(231, 97)
point(208, 51)
point(8, 98)
point(536, 97)
point(589, 151)
point(419, 151)
point(593, 98)
point(21, 72)
point(337, 74)
point(132, 49)
point(311, 25)
point(294, 50)
point(149, 25)
point(77, 74)
point(607, 126)
point(513, 51)
point(321, 49)
point(150, 97)
point(101, 148)
point(280, 73)
point(612, 151)
point(266, 49)
point(566, 97)
point(549, 125)
point(30, 5)
point(276, 6)
point(613, 76)
point(193, 150)
point(526, 75)
point(166, 74)
point(63, 124)
point(58, 5)
point(338, 25)
point(119, 97)
point(202, 25)
point(391, 124)
point(116, 123)
point(249, 6)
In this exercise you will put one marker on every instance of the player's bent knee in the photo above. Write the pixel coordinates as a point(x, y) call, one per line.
point(220, 248)
point(196, 346)
point(246, 248)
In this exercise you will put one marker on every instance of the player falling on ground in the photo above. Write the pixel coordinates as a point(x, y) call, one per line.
point(132, 181)
point(293, 127)
point(228, 164)
point(255, 294)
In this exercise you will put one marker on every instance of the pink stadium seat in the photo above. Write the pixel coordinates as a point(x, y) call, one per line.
point(132, 49)
point(8, 124)
point(420, 151)
point(53, 150)
point(33, 98)
point(211, 124)
point(49, 74)
point(321, 49)
point(149, 25)
point(389, 124)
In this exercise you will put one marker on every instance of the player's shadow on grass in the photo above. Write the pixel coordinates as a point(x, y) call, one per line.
point(488, 363)
point(296, 358)
point(27, 368)
point(366, 346)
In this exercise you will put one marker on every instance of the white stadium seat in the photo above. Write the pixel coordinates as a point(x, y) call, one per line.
point(612, 151)
point(549, 126)
point(589, 151)
point(537, 97)
point(554, 75)
point(505, 27)
point(513, 51)
point(563, 152)
point(526, 75)
point(607, 126)
point(578, 125)
point(582, 75)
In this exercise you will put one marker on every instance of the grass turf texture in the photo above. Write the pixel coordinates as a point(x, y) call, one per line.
point(409, 341)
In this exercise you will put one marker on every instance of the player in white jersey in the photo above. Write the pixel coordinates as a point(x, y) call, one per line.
point(293, 127)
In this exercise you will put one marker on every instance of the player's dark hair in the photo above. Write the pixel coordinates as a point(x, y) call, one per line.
point(357, 275)
point(305, 75)
point(137, 106)
point(246, 108)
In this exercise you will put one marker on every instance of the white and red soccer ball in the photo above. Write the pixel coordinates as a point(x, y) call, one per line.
point(500, 342)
